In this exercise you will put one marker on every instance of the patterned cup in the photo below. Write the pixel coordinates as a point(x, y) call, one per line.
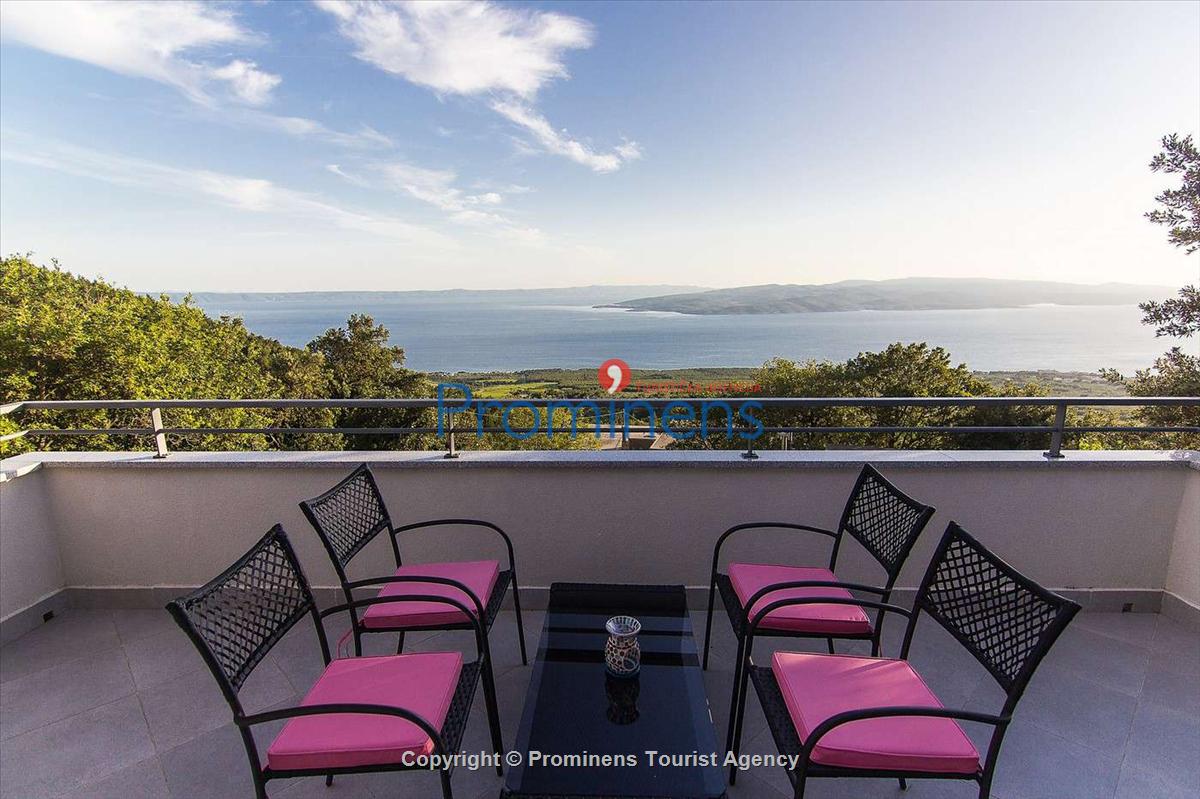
point(622, 653)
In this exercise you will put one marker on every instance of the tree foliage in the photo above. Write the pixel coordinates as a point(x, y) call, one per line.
point(1180, 212)
point(362, 364)
point(1175, 374)
point(900, 370)
point(66, 337)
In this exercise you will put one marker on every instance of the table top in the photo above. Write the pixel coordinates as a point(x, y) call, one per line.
point(607, 725)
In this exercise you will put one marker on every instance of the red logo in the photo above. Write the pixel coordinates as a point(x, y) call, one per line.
point(614, 375)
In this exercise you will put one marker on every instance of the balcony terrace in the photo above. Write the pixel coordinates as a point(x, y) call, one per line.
point(108, 698)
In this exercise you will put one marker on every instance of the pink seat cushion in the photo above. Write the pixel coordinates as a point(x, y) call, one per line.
point(478, 575)
point(816, 687)
point(423, 684)
point(749, 578)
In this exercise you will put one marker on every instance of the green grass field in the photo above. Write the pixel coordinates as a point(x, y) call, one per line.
point(584, 382)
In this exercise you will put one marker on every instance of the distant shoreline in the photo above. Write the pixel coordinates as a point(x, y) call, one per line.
point(904, 294)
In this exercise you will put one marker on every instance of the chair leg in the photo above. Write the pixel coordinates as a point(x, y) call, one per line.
point(801, 782)
point(733, 697)
point(446, 792)
point(357, 643)
point(520, 624)
point(903, 784)
point(489, 696)
point(400, 644)
point(712, 590)
point(741, 715)
point(829, 643)
point(328, 780)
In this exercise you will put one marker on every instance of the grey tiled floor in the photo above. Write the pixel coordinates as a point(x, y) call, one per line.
point(102, 704)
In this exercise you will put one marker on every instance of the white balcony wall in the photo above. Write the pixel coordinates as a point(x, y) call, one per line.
point(130, 529)
point(30, 569)
point(1183, 572)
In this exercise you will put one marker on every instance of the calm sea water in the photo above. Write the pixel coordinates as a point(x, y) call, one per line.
point(488, 335)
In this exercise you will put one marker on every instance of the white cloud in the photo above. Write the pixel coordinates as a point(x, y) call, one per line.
point(437, 187)
point(254, 195)
point(142, 39)
point(559, 143)
point(478, 48)
point(366, 137)
point(347, 176)
point(248, 82)
point(462, 48)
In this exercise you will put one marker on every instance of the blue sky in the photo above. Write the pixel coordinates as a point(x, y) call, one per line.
point(300, 146)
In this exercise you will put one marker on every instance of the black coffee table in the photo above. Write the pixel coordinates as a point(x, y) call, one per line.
point(574, 709)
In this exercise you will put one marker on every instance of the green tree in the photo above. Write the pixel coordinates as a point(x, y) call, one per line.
point(362, 364)
point(1176, 373)
point(64, 337)
point(1180, 212)
point(900, 370)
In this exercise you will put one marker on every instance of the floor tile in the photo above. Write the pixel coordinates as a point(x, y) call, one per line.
point(1171, 689)
point(1081, 711)
point(76, 751)
point(140, 781)
point(1134, 628)
point(1141, 783)
point(74, 635)
point(211, 766)
point(56, 693)
point(157, 658)
point(1173, 638)
point(1036, 764)
point(134, 624)
point(1109, 661)
point(1167, 743)
point(188, 706)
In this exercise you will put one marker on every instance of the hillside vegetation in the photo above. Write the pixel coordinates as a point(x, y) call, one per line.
point(64, 337)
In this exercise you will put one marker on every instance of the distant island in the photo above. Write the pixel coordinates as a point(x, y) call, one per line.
point(570, 295)
point(905, 294)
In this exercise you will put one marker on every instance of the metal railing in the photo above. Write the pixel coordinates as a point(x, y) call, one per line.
point(159, 431)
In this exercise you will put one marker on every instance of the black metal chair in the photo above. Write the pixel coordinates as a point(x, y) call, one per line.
point(367, 714)
point(845, 716)
point(885, 520)
point(350, 515)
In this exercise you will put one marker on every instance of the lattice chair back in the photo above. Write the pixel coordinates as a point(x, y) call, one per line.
point(237, 617)
point(348, 516)
point(885, 520)
point(1003, 618)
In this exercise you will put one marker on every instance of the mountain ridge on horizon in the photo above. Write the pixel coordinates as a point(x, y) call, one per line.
point(653, 292)
point(910, 294)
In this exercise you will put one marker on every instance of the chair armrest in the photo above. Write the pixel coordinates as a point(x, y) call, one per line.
point(481, 641)
point(345, 707)
point(760, 526)
point(815, 600)
point(418, 578)
point(472, 522)
point(770, 589)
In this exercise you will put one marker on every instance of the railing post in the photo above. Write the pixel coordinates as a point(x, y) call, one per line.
point(750, 454)
point(1056, 438)
point(160, 438)
point(451, 450)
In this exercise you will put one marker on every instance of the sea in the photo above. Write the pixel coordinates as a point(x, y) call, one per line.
point(481, 335)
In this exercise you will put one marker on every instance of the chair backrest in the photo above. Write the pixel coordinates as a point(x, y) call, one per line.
point(1003, 618)
point(348, 516)
point(885, 520)
point(237, 617)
